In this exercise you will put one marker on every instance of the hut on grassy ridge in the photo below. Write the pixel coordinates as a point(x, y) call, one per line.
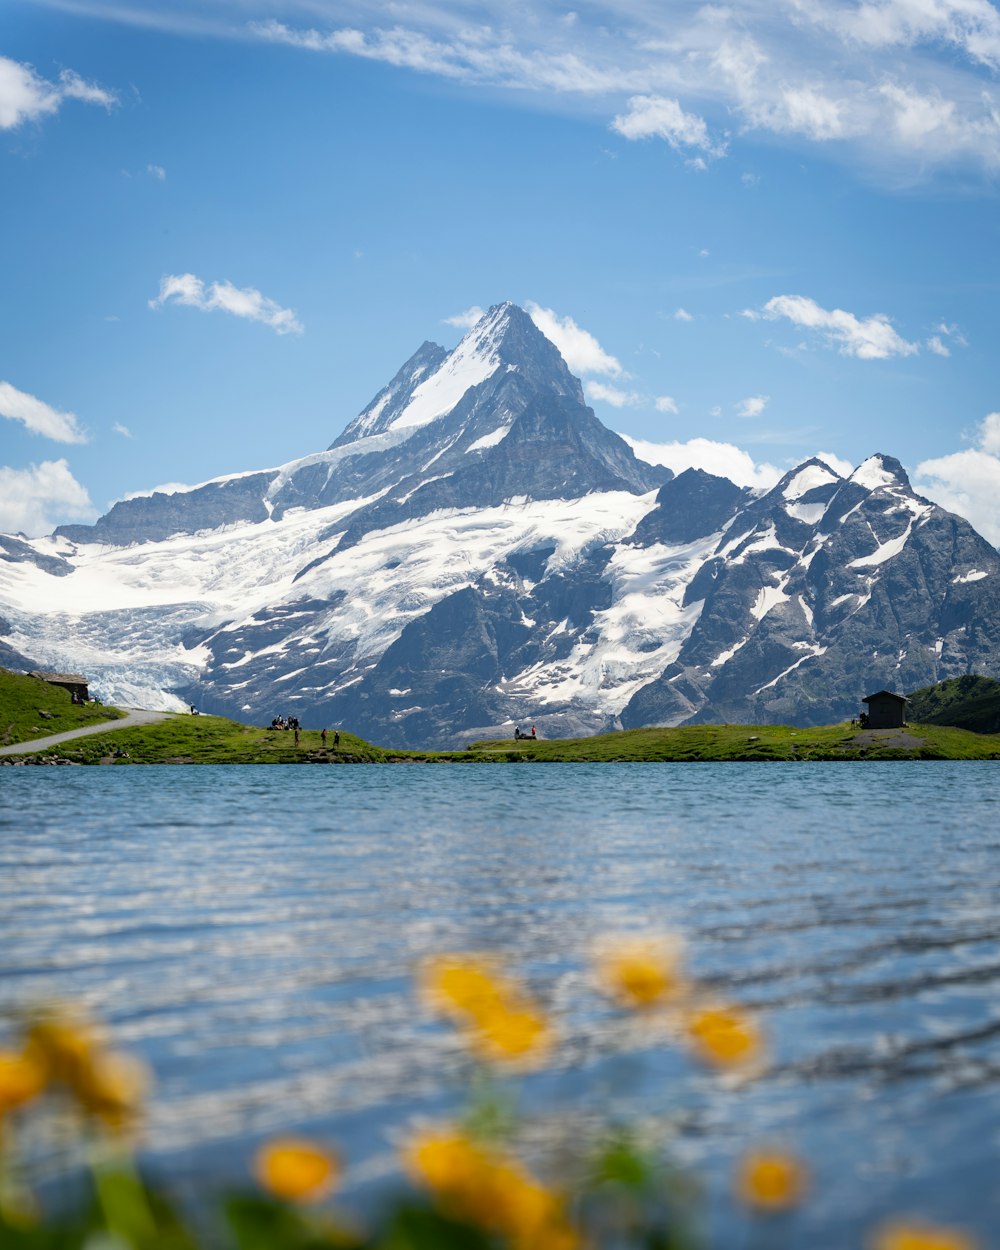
point(75, 683)
point(886, 710)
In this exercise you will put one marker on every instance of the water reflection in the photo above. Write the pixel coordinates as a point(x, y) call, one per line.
point(250, 932)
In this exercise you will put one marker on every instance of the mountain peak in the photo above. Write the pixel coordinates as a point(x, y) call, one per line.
point(878, 471)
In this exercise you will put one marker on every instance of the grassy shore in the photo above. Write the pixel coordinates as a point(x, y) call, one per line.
point(185, 739)
point(753, 742)
point(31, 708)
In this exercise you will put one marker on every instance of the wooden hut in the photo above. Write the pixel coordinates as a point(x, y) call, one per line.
point(75, 683)
point(886, 710)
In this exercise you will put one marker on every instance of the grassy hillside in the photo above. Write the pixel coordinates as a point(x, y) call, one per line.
point(753, 742)
point(186, 739)
point(968, 702)
point(183, 739)
point(30, 708)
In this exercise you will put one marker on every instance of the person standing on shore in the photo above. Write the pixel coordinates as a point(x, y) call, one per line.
point(296, 735)
point(322, 736)
point(336, 739)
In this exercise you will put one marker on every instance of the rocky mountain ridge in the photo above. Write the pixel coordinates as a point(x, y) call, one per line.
point(477, 549)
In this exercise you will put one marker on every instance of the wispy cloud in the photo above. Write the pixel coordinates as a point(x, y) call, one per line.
point(968, 481)
point(39, 417)
point(578, 347)
point(752, 406)
point(666, 403)
point(653, 116)
point(899, 83)
point(26, 96)
point(868, 338)
point(245, 302)
point(465, 320)
point(682, 314)
point(34, 500)
point(616, 396)
point(123, 430)
point(721, 459)
point(157, 172)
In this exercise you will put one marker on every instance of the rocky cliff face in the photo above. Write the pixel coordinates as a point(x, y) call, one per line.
point(477, 550)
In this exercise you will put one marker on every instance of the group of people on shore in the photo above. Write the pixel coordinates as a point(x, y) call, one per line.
point(292, 723)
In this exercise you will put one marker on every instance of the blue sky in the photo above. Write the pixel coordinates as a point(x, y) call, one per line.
point(760, 230)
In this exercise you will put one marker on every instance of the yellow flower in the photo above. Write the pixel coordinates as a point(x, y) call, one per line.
point(725, 1036)
point(911, 1235)
point(500, 1021)
point(64, 1041)
point(296, 1170)
point(771, 1180)
point(510, 1033)
point(489, 1189)
point(640, 972)
point(460, 986)
point(22, 1078)
point(111, 1088)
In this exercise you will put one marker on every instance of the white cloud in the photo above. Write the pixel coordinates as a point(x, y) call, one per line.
point(246, 302)
point(752, 406)
point(666, 403)
point(613, 395)
point(716, 411)
point(165, 488)
point(34, 500)
point(837, 463)
point(653, 116)
point(968, 482)
point(871, 338)
point(465, 320)
point(899, 87)
point(26, 96)
point(682, 314)
point(938, 346)
point(123, 430)
point(39, 417)
point(157, 172)
point(970, 26)
point(722, 459)
point(577, 346)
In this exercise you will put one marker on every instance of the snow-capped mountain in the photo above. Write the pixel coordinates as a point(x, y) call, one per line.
point(477, 549)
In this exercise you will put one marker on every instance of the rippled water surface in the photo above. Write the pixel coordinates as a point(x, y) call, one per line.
point(251, 931)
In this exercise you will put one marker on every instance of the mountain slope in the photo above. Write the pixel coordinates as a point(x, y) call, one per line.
point(477, 550)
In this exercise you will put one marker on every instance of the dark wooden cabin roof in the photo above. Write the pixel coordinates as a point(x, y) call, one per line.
point(884, 694)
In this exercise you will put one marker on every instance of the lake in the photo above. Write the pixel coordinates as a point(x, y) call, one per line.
point(251, 931)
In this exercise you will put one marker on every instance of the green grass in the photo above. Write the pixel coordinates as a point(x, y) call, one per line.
point(23, 699)
point(183, 739)
point(729, 742)
point(968, 702)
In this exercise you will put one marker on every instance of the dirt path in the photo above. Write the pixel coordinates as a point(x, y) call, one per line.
point(126, 722)
point(888, 739)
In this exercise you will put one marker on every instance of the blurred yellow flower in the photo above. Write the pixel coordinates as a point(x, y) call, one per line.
point(460, 986)
point(771, 1180)
point(912, 1235)
point(64, 1040)
point(296, 1170)
point(640, 971)
point(500, 1022)
point(725, 1036)
point(22, 1078)
point(111, 1087)
point(487, 1188)
point(509, 1034)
